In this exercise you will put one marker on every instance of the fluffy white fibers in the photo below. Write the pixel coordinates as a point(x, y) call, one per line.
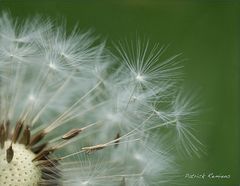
point(106, 117)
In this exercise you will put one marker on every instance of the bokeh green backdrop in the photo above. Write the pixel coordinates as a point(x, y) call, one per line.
point(208, 35)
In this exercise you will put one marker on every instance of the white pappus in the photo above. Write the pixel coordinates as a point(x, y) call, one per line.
point(74, 113)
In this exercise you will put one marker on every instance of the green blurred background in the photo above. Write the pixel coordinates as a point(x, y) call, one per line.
point(208, 35)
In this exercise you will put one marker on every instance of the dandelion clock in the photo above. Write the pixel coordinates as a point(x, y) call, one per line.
point(74, 111)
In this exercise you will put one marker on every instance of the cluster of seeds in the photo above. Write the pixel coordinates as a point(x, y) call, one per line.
point(73, 112)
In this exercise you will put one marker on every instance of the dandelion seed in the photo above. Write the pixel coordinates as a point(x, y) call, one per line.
point(71, 114)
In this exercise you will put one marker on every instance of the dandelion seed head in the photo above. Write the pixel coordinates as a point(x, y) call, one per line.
point(75, 113)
